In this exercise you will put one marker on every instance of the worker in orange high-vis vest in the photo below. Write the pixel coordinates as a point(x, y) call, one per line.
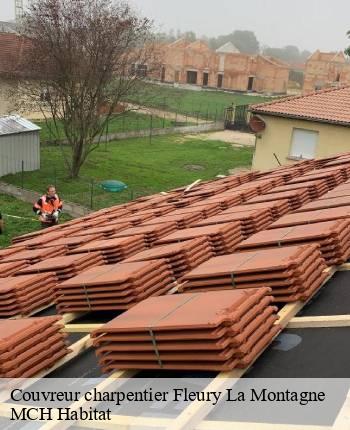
point(48, 207)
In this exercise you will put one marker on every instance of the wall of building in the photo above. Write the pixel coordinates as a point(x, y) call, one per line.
point(5, 105)
point(181, 57)
point(277, 138)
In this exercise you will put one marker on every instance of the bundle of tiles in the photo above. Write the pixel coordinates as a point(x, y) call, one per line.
point(181, 257)
point(157, 211)
point(225, 200)
point(310, 217)
point(7, 252)
point(133, 219)
point(67, 266)
point(214, 331)
point(206, 209)
point(332, 236)
point(325, 203)
point(114, 287)
point(344, 169)
point(223, 238)
point(277, 208)
point(182, 201)
point(151, 233)
point(315, 188)
point(182, 220)
point(105, 230)
point(293, 273)
point(31, 345)
point(251, 221)
point(73, 242)
point(114, 250)
point(339, 191)
point(9, 269)
point(332, 178)
point(296, 198)
point(21, 295)
point(33, 256)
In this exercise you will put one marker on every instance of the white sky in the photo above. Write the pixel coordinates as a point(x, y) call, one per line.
point(308, 24)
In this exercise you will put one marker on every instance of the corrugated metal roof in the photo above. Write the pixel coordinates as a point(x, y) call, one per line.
point(15, 124)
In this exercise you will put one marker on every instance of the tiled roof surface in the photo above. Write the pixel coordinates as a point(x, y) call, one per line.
point(330, 106)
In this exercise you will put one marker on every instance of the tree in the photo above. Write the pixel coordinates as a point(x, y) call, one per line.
point(347, 50)
point(244, 40)
point(84, 55)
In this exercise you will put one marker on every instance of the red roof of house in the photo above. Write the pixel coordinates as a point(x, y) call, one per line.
point(330, 106)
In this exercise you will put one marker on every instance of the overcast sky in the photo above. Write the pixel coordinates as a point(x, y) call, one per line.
point(309, 24)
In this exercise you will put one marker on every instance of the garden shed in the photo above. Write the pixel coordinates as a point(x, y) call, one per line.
point(19, 145)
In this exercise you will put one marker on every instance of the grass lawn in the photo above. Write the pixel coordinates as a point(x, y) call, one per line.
point(207, 103)
point(129, 121)
point(146, 168)
point(17, 226)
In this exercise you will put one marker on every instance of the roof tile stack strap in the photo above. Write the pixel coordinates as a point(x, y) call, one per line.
point(21, 295)
point(223, 238)
point(114, 287)
point(225, 200)
point(323, 203)
point(133, 220)
point(277, 208)
point(217, 331)
point(292, 272)
point(67, 266)
point(151, 233)
point(182, 220)
point(206, 209)
point(333, 178)
point(181, 257)
point(332, 236)
point(30, 345)
point(114, 250)
point(106, 231)
point(74, 241)
point(9, 269)
point(296, 198)
point(315, 188)
point(33, 256)
point(251, 221)
point(310, 217)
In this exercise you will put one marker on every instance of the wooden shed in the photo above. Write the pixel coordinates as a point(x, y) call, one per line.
point(19, 145)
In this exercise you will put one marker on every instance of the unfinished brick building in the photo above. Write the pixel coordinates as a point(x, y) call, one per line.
point(227, 68)
point(326, 70)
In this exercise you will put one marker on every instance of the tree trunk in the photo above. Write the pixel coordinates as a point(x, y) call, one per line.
point(77, 160)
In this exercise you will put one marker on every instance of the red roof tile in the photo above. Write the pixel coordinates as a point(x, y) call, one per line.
point(330, 106)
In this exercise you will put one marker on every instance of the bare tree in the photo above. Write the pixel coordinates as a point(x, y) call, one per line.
point(83, 55)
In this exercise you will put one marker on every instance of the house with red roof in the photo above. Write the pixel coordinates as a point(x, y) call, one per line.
point(310, 126)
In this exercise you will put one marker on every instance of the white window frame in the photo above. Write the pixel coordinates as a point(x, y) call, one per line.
point(308, 153)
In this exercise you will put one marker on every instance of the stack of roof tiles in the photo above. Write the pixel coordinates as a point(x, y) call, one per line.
point(216, 331)
point(325, 203)
point(67, 266)
point(182, 220)
point(277, 208)
point(310, 217)
point(105, 231)
point(296, 198)
point(21, 295)
point(28, 346)
point(332, 236)
point(114, 250)
point(73, 242)
point(223, 238)
point(226, 200)
point(206, 209)
point(114, 287)
point(251, 221)
point(315, 188)
point(333, 178)
point(181, 257)
point(11, 268)
point(151, 233)
point(293, 272)
point(33, 256)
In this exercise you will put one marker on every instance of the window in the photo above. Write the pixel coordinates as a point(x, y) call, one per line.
point(304, 143)
point(191, 77)
point(205, 79)
point(220, 80)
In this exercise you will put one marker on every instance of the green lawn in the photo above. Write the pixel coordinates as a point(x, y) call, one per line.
point(128, 121)
point(17, 226)
point(165, 163)
point(205, 103)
